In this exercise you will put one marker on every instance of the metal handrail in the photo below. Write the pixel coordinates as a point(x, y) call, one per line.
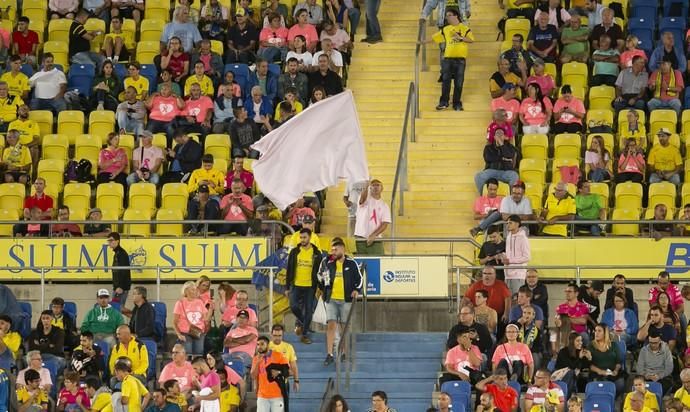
point(572, 223)
point(420, 49)
point(344, 337)
point(327, 394)
point(400, 180)
point(143, 222)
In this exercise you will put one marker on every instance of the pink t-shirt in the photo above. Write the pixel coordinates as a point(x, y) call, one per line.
point(184, 375)
point(531, 109)
point(545, 82)
point(513, 352)
point(198, 108)
point(628, 55)
point(461, 359)
point(164, 108)
point(210, 380)
point(248, 348)
point(493, 126)
point(190, 312)
point(308, 31)
point(230, 315)
point(674, 296)
point(69, 400)
point(631, 167)
point(5, 38)
point(276, 38)
point(512, 107)
point(483, 204)
point(579, 310)
point(118, 155)
point(574, 104)
point(235, 214)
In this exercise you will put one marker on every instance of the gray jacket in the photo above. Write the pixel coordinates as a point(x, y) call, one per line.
point(659, 363)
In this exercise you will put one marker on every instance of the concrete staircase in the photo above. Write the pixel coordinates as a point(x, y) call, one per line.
point(448, 150)
point(404, 365)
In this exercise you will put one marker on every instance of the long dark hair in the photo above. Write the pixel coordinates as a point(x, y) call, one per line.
point(571, 344)
point(220, 365)
point(539, 96)
point(333, 401)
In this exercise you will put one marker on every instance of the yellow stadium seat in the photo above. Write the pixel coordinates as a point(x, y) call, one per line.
point(127, 143)
point(35, 5)
point(575, 74)
point(534, 146)
point(58, 30)
point(60, 50)
point(158, 10)
point(685, 194)
point(687, 171)
point(77, 196)
point(503, 189)
point(220, 165)
point(151, 29)
point(578, 91)
point(101, 122)
point(110, 196)
point(601, 189)
point(599, 117)
point(561, 162)
point(11, 7)
point(218, 145)
point(88, 147)
point(609, 140)
point(53, 172)
point(550, 69)
point(175, 196)
point(160, 140)
point(649, 214)
point(662, 193)
point(169, 229)
point(517, 26)
point(600, 97)
point(662, 118)
point(44, 118)
point(37, 23)
point(248, 164)
point(628, 195)
point(12, 196)
point(217, 47)
point(142, 196)
point(535, 193)
point(567, 146)
point(533, 170)
point(94, 24)
point(55, 146)
point(137, 229)
point(147, 50)
point(11, 216)
point(685, 124)
point(674, 140)
point(71, 124)
point(619, 229)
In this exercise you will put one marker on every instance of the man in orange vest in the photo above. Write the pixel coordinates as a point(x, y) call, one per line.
point(270, 372)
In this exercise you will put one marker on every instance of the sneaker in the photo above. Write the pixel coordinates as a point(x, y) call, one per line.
point(100, 106)
point(474, 231)
point(298, 330)
point(329, 359)
point(342, 357)
point(458, 107)
point(441, 106)
point(440, 78)
point(305, 339)
point(372, 40)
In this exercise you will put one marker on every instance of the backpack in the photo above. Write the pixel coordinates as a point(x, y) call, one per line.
point(84, 171)
point(501, 25)
point(71, 171)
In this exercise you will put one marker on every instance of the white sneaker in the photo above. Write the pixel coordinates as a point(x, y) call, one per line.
point(100, 106)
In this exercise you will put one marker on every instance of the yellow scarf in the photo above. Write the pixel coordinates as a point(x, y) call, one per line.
point(671, 83)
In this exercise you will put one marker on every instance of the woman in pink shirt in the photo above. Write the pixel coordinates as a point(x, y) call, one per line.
point(273, 40)
point(631, 164)
point(191, 310)
point(631, 51)
point(543, 79)
point(535, 111)
point(568, 112)
point(113, 162)
point(203, 285)
point(304, 29)
point(227, 296)
point(514, 356)
point(163, 108)
point(215, 362)
point(179, 369)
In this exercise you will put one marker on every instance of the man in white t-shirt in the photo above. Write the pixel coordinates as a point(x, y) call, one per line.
point(49, 87)
point(146, 161)
point(335, 61)
point(373, 218)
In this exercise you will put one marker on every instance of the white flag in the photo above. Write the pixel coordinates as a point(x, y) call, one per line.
point(312, 151)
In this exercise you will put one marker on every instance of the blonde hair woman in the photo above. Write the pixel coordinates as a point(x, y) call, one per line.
point(606, 365)
point(191, 319)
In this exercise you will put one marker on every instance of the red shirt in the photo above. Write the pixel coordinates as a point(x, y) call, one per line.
point(498, 292)
point(24, 43)
point(504, 400)
point(176, 64)
point(246, 177)
point(44, 203)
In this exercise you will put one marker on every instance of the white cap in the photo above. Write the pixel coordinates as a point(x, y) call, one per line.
point(103, 292)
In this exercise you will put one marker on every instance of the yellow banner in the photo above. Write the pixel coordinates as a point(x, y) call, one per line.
point(669, 254)
point(18, 256)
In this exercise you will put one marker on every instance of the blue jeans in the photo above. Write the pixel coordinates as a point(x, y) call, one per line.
point(452, 69)
point(353, 14)
point(129, 124)
point(673, 104)
point(492, 218)
point(623, 104)
point(194, 346)
point(134, 178)
point(89, 57)
point(373, 26)
point(54, 105)
point(506, 176)
point(656, 178)
point(302, 306)
point(598, 175)
point(595, 230)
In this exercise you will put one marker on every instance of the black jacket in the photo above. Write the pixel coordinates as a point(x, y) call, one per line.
point(86, 365)
point(352, 277)
point(122, 278)
point(142, 321)
point(292, 266)
point(70, 328)
point(483, 340)
point(608, 303)
point(53, 342)
point(495, 156)
point(331, 82)
point(189, 156)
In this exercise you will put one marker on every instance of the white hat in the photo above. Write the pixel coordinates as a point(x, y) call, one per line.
point(103, 292)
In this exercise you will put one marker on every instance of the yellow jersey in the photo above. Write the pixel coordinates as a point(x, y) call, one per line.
point(664, 158)
point(13, 341)
point(296, 106)
point(134, 391)
point(556, 207)
point(286, 349)
point(305, 262)
point(212, 175)
point(17, 84)
point(9, 106)
point(141, 85)
point(683, 396)
point(206, 85)
point(294, 238)
point(338, 292)
point(455, 49)
point(650, 402)
point(229, 397)
point(17, 156)
point(28, 130)
point(102, 403)
point(41, 400)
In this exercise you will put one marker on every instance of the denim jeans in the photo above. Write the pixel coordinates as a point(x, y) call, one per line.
point(89, 57)
point(673, 104)
point(598, 175)
point(194, 346)
point(492, 218)
point(272, 54)
point(353, 14)
point(129, 124)
point(595, 230)
point(506, 176)
point(623, 104)
point(270, 405)
point(373, 26)
point(302, 306)
point(656, 178)
point(134, 178)
point(158, 126)
point(452, 69)
point(54, 105)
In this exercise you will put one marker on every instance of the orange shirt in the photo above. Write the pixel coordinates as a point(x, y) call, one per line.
point(267, 389)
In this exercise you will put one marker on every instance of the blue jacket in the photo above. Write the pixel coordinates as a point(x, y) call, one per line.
point(266, 108)
point(271, 86)
point(658, 55)
point(352, 277)
point(631, 330)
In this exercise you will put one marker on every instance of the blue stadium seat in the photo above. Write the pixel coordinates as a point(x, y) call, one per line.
point(149, 71)
point(643, 28)
point(516, 385)
point(657, 389)
point(460, 393)
point(675, 25)
point(120, 71)
point(236, 365)
point(52, 366)
point(115, 305)
point(564, 387)
point(551, 366)
point(274, 69)
point(71, 309)
point(675, 8)
point(160, 313)
point(24, 329)
point(602, 388)
point(27, 69)
point(106, 357)
point(152, 349)
point(596, 405)
point(241, 72)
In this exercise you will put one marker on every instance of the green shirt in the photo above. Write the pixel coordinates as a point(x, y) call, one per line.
point(605, 67)
point(588, 206)
point(574, 49)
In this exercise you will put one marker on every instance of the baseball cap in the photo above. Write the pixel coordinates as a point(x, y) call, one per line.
point(243, 313)
point(146, 133)
point(94, 210)
point(665, 131)
point(240, 11)
point(203, 189)
point(103, 292)
point(597, 285)
point(508, 85)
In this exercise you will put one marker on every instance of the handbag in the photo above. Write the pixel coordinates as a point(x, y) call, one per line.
point(320, 316)
point(194, 331)
point(214, 337)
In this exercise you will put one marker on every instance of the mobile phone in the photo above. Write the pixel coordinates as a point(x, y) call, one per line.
point(212, 293)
